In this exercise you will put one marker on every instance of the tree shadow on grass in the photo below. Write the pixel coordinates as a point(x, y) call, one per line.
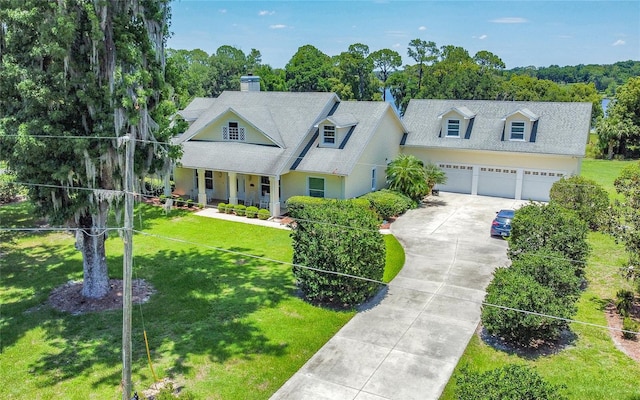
point(541, 349)
point(201, 307)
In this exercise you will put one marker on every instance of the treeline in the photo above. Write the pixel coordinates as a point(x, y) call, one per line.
point(606, 78)
point(446, 72)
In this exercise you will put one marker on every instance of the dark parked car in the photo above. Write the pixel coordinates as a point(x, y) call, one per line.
point(501, 225)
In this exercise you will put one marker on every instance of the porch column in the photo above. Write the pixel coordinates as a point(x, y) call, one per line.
point(202, 194)
point(274, 198)
point(233, 187)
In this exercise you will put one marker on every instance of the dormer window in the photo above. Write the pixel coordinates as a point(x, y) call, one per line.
point(232, 131)
point(517, 130)
point(329, 135)
point(453, 128)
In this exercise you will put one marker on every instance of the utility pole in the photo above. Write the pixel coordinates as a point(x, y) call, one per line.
point(127, 266)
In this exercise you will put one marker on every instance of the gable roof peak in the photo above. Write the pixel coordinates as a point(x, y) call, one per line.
point(525, 112)
point(461, 110)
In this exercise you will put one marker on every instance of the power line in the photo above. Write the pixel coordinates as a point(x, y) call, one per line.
point(482, 303)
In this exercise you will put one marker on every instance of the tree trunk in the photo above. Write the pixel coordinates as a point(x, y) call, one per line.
point(91, 241)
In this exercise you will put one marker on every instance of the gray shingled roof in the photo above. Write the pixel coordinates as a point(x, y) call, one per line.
point(196, 107)
point(563, 128)
point(342, 161)
point(287, 118)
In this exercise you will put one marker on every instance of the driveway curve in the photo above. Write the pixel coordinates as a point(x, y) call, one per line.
point(406, 345)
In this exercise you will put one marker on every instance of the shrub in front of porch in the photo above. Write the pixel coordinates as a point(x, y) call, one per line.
point(252, 212)
point(240, 209)
point(264, 214)
point(222, 207)
point(388, 203)
point(339, 252)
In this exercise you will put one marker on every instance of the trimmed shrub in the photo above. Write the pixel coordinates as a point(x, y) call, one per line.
point(252, 212)
point(222, 207)
point(388, 203)
point(229, 208)
point(550, 269)
point(513, 289)
point(584, 196)
point(339, 237)
point(189, 203)
point(511, 381)
point(535, 226)
point(240, 209)
point(163, 198)
point(630, 327)
point(179, 202)
point(624, 303)
point(264, 214)
point(299, 202)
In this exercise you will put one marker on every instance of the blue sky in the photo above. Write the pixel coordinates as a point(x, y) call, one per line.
point(521, 33)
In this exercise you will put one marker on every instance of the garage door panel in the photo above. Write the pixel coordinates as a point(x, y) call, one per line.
point(497, 182)
point(459, 178)
point(536, 184)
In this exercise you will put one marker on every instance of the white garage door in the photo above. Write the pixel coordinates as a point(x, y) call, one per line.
point(536, 184)
point(497, 182)
point(459, 178)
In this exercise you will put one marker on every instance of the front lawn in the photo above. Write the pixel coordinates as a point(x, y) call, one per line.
point(591, 367)
point(223, 325)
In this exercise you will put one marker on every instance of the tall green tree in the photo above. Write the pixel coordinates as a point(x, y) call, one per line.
point(356, 68)
point(76, 77)
point(308, 70)
point(626, 227)
point(624, 113)
point(422, 52)
point(385, 61)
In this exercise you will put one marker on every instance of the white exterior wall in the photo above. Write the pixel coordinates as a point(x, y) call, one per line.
point(184, 179)
point(296, 184)
point(383, 147)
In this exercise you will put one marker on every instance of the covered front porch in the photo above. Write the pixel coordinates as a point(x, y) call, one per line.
point(212, 187)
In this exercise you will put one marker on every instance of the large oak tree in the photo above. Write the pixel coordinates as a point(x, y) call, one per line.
point(76, 76)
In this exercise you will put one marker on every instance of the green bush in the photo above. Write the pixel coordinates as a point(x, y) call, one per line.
point(388, 203)
point(630, 327)
point(8, 189)
point(624, 302)
point(190, 203)
point(229, 208)
point(252, 212)
point(264, 214)
point(535, 226)
point(338, 237)
point(222, 207)
point(513, 289)
point(162, 198)
point(240, 209)
point(179, 202)
point(550, 269)
point(298, 202)
point(584, 196)
point(510, 382)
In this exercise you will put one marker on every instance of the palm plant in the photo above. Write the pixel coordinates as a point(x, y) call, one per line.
point(406, 174)
point(434, 176)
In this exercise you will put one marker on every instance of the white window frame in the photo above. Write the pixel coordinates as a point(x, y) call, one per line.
point(329, 135)
point(310, 190)
point(373, 179)
point(452, 132)
point(518, 133)
point(233, 132)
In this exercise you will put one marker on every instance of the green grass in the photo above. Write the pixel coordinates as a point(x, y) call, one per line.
point(222, 324)
point(395, 258)
point(604, 172)
point(591, 367)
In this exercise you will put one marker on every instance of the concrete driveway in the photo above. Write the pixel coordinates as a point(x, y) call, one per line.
point(406, 344)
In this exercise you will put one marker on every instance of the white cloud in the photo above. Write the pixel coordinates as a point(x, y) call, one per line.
point(619, 42)
point(265, 12)
point(422, 28)
point(509, 20)
point(222, 11)
point(277, 26)
point(481, 37)
point(397, 46)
